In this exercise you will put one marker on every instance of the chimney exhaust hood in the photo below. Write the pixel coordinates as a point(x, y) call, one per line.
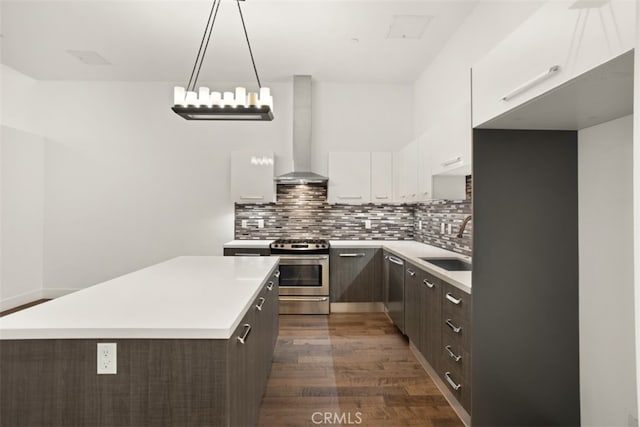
point(301, 136)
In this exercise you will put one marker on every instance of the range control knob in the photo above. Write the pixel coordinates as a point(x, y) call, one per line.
point(317, 246)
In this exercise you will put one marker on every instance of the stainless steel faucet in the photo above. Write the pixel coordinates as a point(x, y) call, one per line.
point(463, 226)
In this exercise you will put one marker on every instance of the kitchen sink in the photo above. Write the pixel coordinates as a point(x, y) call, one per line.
point(449, 264)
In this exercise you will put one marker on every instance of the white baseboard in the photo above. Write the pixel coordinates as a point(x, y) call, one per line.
point(18, 300)
point(57, 292)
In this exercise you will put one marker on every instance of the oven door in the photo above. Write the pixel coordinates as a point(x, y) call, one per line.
point(304, 274)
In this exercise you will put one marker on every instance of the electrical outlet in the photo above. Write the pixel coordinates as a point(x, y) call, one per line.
point(367, 224)
point(419, 224)
point(448, 228)
point(107, 358)
point(261, 223)
point(244, 223)
point(442, 225)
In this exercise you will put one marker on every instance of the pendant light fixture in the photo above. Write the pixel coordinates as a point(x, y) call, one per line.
point(202, 104)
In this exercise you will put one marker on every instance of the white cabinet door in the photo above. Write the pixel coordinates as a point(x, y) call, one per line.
point(425, 167)
point(397, 177)
point(450, 141)
point(382, 177)
point(410, 164)
point(252, 177)
point(575, 36)
point(349, 177)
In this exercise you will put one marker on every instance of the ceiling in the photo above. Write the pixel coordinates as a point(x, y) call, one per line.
point(152, 40)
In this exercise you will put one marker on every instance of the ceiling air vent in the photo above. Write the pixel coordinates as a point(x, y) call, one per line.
point(408, 26)
point(88, 57)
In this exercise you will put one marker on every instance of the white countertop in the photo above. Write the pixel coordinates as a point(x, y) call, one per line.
point(248, 244)
point(412, 251)
point(189, 297)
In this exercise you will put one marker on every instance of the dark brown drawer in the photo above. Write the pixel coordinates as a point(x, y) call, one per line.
point(456, 303)
point(456, 331)
point(460, 389)
point(456, 359)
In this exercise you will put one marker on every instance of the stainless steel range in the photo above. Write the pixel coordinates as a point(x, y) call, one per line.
point(304, 275)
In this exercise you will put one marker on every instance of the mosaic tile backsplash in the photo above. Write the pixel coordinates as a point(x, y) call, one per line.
point(302, 211)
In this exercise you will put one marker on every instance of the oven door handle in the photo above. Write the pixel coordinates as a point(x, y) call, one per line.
point(303, 257)
point(303, 298)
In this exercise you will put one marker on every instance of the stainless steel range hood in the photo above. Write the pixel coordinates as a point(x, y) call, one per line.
point(301, 136)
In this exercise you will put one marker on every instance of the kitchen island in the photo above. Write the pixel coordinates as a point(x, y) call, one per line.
point(194, 340)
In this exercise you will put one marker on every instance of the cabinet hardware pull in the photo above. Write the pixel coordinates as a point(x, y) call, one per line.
point(243, 337)
point(452, 354)
point(534, 81)
point(395, 260)
point(452, 161)
point(259, 306)
point(246, 254)
point(277, 273)
point(456, 329)
point(453, 385)
point(425, 193)
point(270, 286)
point(251, 197)
point(386, 257)
point(428, 283)
point(452, 299)
point(411, 272)
point(360, 254)
point(350, 197)
point(382, 197)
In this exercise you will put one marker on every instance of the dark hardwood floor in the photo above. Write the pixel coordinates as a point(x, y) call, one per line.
point(354, 367)
point(23, 306)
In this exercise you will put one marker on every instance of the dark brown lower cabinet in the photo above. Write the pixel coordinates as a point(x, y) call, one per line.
point(355, 275)
point(160, 382)
point(246, 252)
point(412, 305)
point(430, 318)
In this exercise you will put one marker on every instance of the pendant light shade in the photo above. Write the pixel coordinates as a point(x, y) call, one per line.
point(205, 104)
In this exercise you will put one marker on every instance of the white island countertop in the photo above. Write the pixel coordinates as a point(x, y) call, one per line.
point(189, 297)
point(412, 251)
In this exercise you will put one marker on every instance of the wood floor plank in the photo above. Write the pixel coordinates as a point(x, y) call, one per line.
point(349, 365)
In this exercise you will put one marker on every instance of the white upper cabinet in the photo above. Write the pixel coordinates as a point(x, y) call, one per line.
point(382, 177)
point(349, 177)
point(425, 167)
point(450, 143)
point(406, 174)
point(252, 177)
point(562, 40)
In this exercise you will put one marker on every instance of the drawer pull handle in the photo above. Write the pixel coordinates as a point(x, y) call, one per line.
point(452, 383)
point(246, 254)
point(382, 197)
point(452, 161)
point(452, 354)
point(395, 260)
point(531, 83)
point(259, 306)
point(428, 283)
point(350, 197)
point(452, 299)
point(454, 328)
point(251, 197)
point(277, 273)
point(352, 255)
point(243, 337)
point(411, 272)
point(270, 286)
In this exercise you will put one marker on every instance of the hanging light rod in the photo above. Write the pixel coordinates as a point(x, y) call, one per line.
point(204, 104)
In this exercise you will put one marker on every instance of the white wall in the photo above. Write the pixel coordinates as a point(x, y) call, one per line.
point(351, 117)
point(21, 192)
point(442, 93)
point(607, 350)
point(128, 183)
point(636, 202)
